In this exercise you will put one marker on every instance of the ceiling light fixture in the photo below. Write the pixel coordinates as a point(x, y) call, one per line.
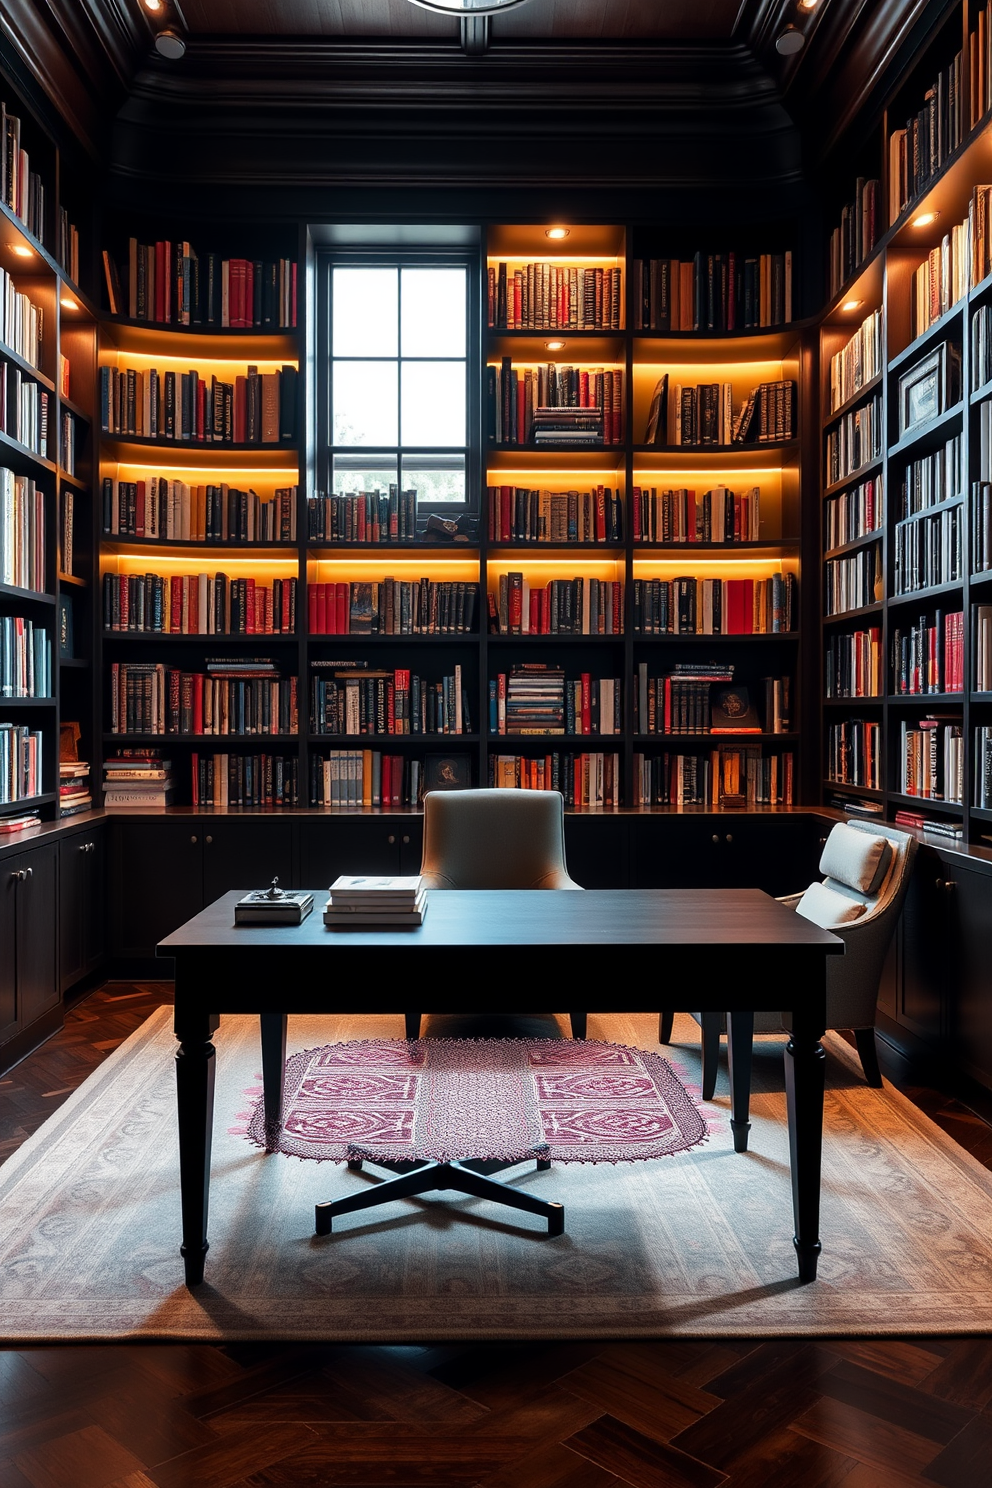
point(808, 4)
point(21, 251)
point(852, 304)
point(789, 41)
point(925, 219)
point(154, 5)
point(556, 232)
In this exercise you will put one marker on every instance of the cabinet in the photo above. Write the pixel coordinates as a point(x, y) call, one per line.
point(29, 986)
point(82, 904)
point(334, 845)
point(710, 851)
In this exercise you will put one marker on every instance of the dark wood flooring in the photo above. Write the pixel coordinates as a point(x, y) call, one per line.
point(782, 1414)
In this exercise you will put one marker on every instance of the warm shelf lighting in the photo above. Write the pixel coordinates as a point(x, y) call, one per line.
point(925, 219)
point(68, 303)
point(556, 232)
point(554, 345)
point(154, 6)
point(21, 251)
point(808, 4)
point(852, 304)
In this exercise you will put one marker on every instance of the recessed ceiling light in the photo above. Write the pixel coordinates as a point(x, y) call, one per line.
point(21, 251)
point(851, 304)
point(808, 4)
point(925, 219)
point(554, 345)
point(153, 5)
point(68, 303)
point(789, 41)
point(556, 232)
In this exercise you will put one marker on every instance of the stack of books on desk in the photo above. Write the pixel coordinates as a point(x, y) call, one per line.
point(376, 900)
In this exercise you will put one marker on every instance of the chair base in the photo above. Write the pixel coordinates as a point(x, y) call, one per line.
point(438, 1175)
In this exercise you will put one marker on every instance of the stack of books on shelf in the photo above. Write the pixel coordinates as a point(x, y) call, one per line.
point(683, 516)
point(714, 292)
point(21, 321)
point(25, 659)
point(19, 822)
point(137, 780)
point(169, 282)
point(256, 408)
point(857, 362)
point(393, 607)
point(854, 441)
point(357, 700)
point(25, 410)
point(931, 759)
point(363, 900)
point(943, 278)
point(857, 805)
point(855, 513)
point(20, 762)
point(574, 403)
point(363, 517)
point(939, 827)
point(853, 240)
point(575, 427)
point(589, 781)
point(172, 510)
point(854, 753)
point(22, 532)
point(854, 664)
point(917, 151)
point(553, 297)
point(706, 414)
point(198, 604)
point(232, 697)
point(693, 606)
point(244, 780)
point(518, 514)
point(581, 606)
point(929, 656)
point(21, 188)
point(74, 787)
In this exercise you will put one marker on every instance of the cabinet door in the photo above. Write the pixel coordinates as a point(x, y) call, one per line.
point(95, 900)
point(8, 949)
point(245, 853)
point(156, 879)
point(73, 853)
point(924, 949)
point(596, 851)
point(334, 845)
point(37, 939)
point(971, 901)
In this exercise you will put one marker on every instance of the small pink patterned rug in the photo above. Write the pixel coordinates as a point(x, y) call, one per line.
point(500, 1100)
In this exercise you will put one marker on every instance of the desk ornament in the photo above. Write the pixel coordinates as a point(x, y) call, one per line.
point(273, 906)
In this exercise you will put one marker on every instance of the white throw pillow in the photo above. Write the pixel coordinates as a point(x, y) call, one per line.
point(827, 908)
point(855, 858)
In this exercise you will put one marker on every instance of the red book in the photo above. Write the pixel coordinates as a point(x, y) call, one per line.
point(360, 526)
point(201, 408)
point(396, 781)
point(342, 615)
point(584, 389)
point(241, 410)
point(125, 608)
point(193, 608)
point(668, 706)
point(284, 625)
point(248, 305)
point(617, 608)
point(139, 511)
point(515, 600)
point(586, 708)
point(636, 516)
point(250, 607)
point(521, 410)
point(320, 606)
point(505, 510)
point(176, 606)
point(748, 606)
point(197, 702)
point(535, 612)
point(160, 281)
point(546, 610)
point(600, 513)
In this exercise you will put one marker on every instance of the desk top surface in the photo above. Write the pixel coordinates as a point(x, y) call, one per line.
point(548, 917)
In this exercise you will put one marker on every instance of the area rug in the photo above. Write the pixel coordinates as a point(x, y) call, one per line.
point(697, 1244)
point(496, 1100)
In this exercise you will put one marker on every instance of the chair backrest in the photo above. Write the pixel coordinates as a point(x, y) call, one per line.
point(867, 867)
point(495, 839)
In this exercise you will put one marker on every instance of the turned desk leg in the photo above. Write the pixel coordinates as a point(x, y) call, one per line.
point(195, 1064)
point(740, 1041)
point(804, 1080)
point(273, 1033)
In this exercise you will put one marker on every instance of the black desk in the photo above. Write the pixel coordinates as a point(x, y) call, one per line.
point(737, 949)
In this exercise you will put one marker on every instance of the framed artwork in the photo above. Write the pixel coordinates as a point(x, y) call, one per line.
point(927, 389)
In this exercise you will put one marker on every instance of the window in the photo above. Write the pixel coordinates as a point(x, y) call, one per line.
point(401, 380)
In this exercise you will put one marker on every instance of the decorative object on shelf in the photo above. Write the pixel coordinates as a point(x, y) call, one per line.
point(448, 772)
point(929, 387)
point(273, 906)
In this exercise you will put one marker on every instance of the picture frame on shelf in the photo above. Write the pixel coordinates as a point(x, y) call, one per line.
point(928, 388)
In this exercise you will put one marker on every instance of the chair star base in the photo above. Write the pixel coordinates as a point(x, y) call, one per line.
point(439, 1175)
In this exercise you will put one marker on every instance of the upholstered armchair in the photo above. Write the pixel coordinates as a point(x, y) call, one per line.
point(495, 839)
point(866, 868)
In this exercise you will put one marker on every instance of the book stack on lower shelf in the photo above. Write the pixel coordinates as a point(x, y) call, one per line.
point(380, 901)
point(137, 781)
point(74, 787)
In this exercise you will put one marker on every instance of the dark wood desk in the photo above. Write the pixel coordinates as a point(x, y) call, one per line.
point(737, 949)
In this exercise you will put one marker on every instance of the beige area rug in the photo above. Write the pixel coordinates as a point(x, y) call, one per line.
point(698, 1244)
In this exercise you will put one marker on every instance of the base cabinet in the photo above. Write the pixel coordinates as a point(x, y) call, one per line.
point(29, 976)
point(331, 846)
point(82, 904)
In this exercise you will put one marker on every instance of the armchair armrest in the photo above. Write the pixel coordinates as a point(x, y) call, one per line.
point(790, 900)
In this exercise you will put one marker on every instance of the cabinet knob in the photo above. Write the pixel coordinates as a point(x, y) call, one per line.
point(193, 838)
point(84, 847)
point(406, 839)
point(208, 839)
point(715, 838)
point(391, 839)
point(26, 873)
point(21, 875)
point(730, 837)
point(947, 884)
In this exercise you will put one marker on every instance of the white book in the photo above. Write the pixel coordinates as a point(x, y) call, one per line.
point(380, 887)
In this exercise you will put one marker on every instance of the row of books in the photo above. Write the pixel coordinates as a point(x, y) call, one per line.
point(519, 514)
point(581, 606)
point(855, 513)
point(22, 532)
point(21, 752)
point(22, 323)
point(363, 516)
point(67, 441)
point(859, 229)
point(554, 297)
point(930, 479)
point(854, 753)
point(936, 826)
point(393, 607)
point(356, 700)
point(980, 67)
point(537, 698)
point(136, 780)
point(982, 767)
point(75, 795)
point(25, 658)
point(256, 408)
point(928, 655)
point(171, 510)
point(353, 778)
point(981, 347)
point(588, 781)
point(693, 606)
point(942, 279)
point(931, 759)
point(918, 150)
point(854, 441)
point(198, 604)
point(154, 699)
point(739, 776)
point(928, 550)
point(706, 700)
point(858, 361)
point(21, 188)
point(981, 526)
point(718, 515)
point(25, 409)
point(554, 404)
point(245, 780)
point(170, 283)
point(853, 666)
point(983, 648)
point(715, 292)
point(707, 414)
point(67, 248)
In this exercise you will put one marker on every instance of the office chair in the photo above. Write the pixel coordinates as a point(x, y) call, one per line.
point(866, 868)
point(495, 839)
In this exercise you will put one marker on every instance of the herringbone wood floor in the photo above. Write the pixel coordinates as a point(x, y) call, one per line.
point(652, 1415)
